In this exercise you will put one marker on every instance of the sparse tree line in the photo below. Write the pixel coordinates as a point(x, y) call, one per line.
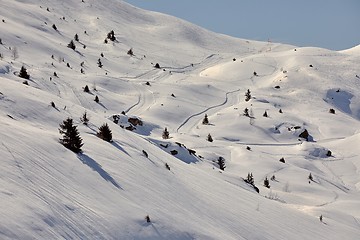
point(71, 137)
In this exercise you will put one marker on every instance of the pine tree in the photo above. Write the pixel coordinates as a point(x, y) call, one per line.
point(247, 95)
point(310, 177)
point(130, 52)
point(167, 166)
point(265, 114)
point(100, 65)
point(86, 89)
point(76, 37)
point(23, 73)
point(205, 120)
point(221, 162)
point(96, 99)
point(250, 179)
point(71, 45)
point(71, 137)
point(246, 112)
point(266, 182)
point(84, 119)
point(209, 138)
point(105, 133)
point(165, 134)
point(111, 35)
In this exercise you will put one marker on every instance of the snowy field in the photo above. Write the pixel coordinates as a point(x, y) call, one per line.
point(105, 192)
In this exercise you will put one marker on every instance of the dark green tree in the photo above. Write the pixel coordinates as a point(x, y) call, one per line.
point(165, 134)
point(209, 138)
point(111, 35)
point(130, 52)
point(246, 112)
point(84, 119)
point(205, 120)
point(105, 133)
point(248, 95)
point(71, 45)
point(71, 138)
point(266, 182)
point(221, 162)
point(86, 89)
point(96, 99)
point(250, 179)
point(23, 73)
point(100, 65)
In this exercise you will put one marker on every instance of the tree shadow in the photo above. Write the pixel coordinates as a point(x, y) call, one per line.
point(115, 144)
point(102, 105)
point(85, 159)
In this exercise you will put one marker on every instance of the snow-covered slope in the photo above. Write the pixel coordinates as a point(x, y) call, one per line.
point(49, 192)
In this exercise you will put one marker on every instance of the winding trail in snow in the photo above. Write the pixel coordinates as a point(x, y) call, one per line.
point(207, 109)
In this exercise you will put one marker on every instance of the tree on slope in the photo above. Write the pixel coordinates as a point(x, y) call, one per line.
point(105, 133)
point(23, 73)
point(71, 138)
point(165, 134)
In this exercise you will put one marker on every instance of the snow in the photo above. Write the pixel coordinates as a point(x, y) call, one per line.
point(49, 192)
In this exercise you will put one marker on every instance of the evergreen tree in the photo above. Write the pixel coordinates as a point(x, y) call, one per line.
point(209, 138)
point(205, 120)
point(265, 114)
point(165, 134)
point(105, 133)
point(221, 162)
point(167, 166)
point(266, 182)
point(310, 177)
point(71, 138)
point(86, 89)
point(248, 95)
point(96, 99)
point(250, 179)
point(76, 37)
point(130, 52)
point(71, 45)
point(111, 35)
point(23, 73)
point(100, 63)
point(84, 119)
point(246, 112)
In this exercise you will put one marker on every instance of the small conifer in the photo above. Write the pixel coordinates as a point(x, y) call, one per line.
point(165, 134)
point(23, 73)
point(105, 133)
point(247, 95)
point(84, 119)
point(221, 162)
point(209, 138)
point(71, 45)
point(205, 120)
point(71, 138)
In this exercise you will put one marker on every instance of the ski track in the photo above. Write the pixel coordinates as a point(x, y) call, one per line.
point(207, 109)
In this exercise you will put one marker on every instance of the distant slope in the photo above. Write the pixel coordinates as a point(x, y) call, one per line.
point(49, 192)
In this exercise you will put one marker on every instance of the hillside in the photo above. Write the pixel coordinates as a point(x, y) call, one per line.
point(105, 192)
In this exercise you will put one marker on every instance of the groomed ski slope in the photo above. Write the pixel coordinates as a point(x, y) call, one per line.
point(49, 192)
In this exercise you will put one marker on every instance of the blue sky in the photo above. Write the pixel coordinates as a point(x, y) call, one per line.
point(332, 24)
